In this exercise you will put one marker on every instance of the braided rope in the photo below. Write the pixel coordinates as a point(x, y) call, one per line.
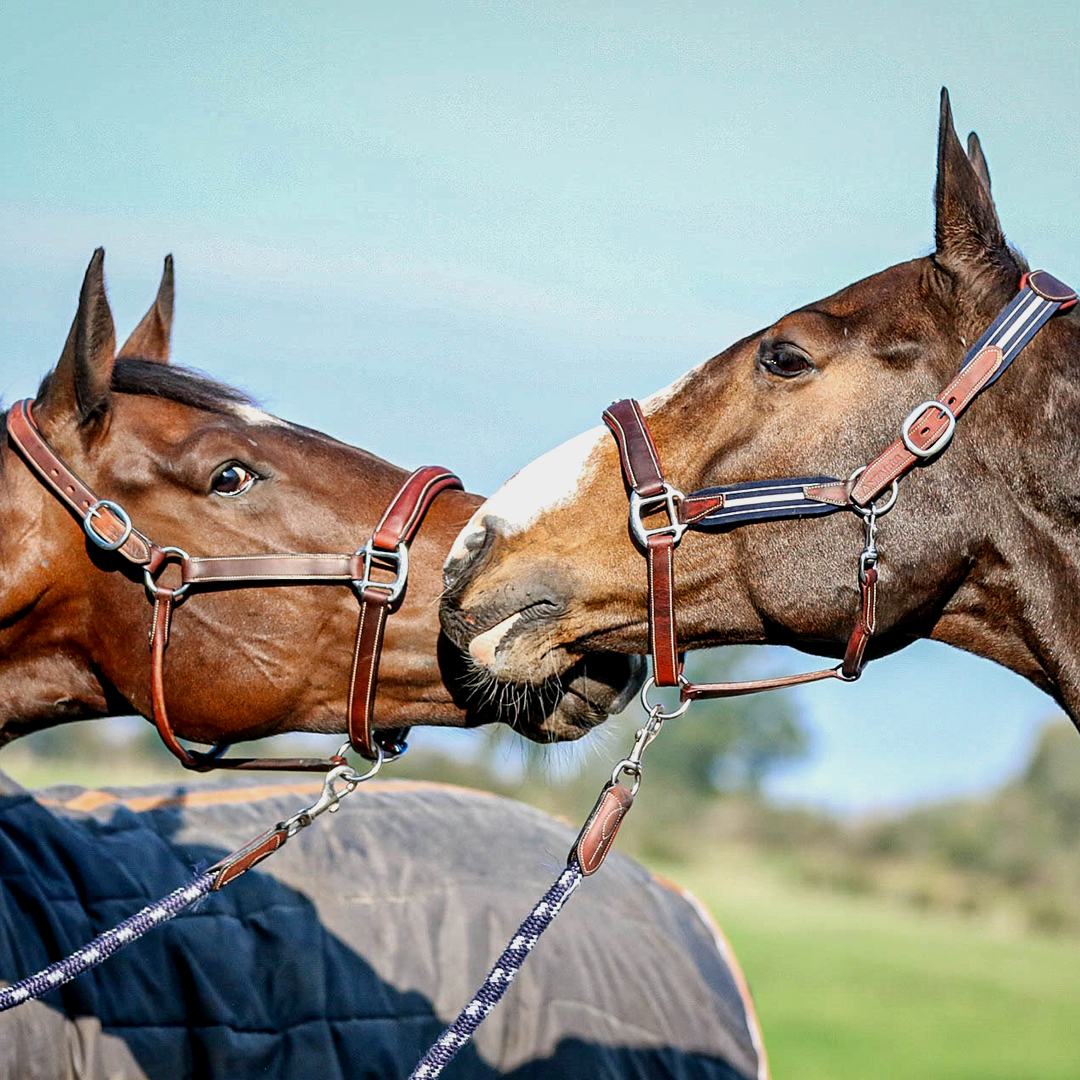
point(500, 976)
point(104, 945)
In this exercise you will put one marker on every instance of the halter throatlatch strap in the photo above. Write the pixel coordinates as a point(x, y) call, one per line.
point(106, 523)
point(928, 429)
point(848, 671)
point(925, 434)
point(109, 527)
point(164, 601)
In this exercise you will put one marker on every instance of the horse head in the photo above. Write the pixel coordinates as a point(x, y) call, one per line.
point(198, 467)
point(980, 550)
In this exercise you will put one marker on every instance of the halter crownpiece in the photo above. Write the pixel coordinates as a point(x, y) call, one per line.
point(870, 491)
point(109, 527)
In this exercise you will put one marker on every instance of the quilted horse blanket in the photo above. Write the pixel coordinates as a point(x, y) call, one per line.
point(344, 955)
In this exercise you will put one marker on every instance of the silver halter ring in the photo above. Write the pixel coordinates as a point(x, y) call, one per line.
point(151, 584)
point(656, 709)
point(877, 509)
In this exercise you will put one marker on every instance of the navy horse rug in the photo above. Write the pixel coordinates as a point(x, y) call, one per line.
point(344, 955)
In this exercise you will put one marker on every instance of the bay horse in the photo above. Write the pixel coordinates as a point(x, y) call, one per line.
point(197, 466)
point(980, 552)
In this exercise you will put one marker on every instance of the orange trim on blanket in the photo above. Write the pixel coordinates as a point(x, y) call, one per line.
point(728, 953)
point(88, 801)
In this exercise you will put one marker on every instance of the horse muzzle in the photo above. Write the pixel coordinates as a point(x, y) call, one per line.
point(511, 632)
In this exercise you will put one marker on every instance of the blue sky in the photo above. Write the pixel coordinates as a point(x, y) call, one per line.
point(455, 231)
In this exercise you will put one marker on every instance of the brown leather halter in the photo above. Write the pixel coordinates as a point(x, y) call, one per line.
point(870, 492)
point(109, 527)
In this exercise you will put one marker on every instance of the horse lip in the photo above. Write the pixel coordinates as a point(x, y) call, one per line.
point(484, 646)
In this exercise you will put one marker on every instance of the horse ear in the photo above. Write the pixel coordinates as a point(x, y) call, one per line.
point(970, 241)
point(978, 160)
point(79, 386)
point(150, 339)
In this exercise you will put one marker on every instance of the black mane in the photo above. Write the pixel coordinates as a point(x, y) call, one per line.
point(154, 379)
point(179, 384)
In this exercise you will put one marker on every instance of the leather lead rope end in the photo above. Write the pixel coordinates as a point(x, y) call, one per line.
point(240, 862)
point(601, 827)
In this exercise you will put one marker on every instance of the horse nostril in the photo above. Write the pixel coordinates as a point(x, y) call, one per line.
point(465, 555)
point(453, 570)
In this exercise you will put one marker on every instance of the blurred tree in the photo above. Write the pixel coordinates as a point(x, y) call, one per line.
point(127, 737)
point(728, 745)
point(1052, 779)
point(717, 746)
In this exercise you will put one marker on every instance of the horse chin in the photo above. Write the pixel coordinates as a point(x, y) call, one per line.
point(568, 706)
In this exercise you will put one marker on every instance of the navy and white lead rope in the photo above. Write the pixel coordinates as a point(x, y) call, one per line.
point(104, 945)
point(219, 875)
point(501, 975)
point(437, 1058)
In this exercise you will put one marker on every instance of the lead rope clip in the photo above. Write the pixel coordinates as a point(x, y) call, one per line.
point(868, 559)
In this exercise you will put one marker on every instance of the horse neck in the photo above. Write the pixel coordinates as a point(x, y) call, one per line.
point(1018, 603)
point(45, 671)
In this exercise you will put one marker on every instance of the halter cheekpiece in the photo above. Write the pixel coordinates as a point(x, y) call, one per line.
point(109, 527)
point(870, 492)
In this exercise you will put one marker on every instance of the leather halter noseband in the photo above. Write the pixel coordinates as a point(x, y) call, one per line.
point(109, 527)
point(870, 492)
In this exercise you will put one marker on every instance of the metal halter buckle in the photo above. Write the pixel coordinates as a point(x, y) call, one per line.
point(644, 504)
point(399, 565)
point(941, 441)
point(118, 512)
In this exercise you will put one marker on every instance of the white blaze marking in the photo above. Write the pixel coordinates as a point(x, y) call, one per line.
point(250, 415)
point(552, 480)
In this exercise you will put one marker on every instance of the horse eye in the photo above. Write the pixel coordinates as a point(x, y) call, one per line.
point(786, 361)
point(233, 479)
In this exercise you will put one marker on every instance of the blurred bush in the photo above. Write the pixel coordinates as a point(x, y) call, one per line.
point(1013, 855)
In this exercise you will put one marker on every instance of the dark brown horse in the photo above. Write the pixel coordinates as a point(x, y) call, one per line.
point(982, 550)
point(198, 466)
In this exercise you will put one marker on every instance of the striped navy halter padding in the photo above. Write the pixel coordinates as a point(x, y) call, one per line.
point(772, 500)
point(765, 500)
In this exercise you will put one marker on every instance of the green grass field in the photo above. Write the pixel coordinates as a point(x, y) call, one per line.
point(859, 987)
